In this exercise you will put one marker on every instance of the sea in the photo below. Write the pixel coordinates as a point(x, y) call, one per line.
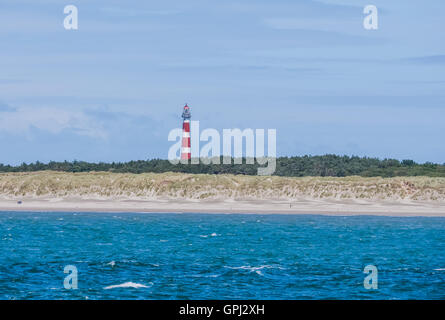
point(77, 255)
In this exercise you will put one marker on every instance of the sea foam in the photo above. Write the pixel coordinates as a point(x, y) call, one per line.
point(127, 285)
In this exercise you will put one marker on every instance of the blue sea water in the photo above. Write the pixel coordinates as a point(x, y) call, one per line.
point(209, 256)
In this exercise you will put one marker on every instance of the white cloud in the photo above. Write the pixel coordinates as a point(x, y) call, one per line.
point(53, 120)
point(336, 25)
point(122, 11)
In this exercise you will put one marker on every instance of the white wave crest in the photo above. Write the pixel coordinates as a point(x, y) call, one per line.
point(127, 285)
point(214, 234)
point(255, 269)
point(112, 263)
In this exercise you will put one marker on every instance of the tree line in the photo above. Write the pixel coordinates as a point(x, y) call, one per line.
point(325, 165)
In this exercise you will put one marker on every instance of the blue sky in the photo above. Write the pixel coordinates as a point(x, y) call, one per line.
point(112, 90)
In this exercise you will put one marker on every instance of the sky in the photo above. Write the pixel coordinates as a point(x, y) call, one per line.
point(113, 89)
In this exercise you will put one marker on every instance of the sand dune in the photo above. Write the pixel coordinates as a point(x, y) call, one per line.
point(177, 192)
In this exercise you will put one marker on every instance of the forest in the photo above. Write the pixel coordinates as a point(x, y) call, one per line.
point(298, 166)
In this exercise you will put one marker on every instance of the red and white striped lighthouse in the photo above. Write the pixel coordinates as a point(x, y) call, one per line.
point(186, 150)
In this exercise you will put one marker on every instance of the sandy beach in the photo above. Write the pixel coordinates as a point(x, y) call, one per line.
point(176, 192)
point(309, 206)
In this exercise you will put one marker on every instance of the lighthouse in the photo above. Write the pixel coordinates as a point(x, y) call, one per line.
point(185, 150)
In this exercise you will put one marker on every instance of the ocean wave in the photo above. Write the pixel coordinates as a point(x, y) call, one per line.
point(128, 285)
point(209, 235)
point(112, 263)
point(205, 275)
point(257, 270)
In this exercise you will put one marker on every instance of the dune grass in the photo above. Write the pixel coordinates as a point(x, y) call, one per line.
point(216, 187)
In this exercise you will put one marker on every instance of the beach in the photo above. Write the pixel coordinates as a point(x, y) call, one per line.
point(309, 206)
point(177, 192)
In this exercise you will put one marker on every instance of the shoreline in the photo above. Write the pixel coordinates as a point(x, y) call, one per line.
point(305, 206)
